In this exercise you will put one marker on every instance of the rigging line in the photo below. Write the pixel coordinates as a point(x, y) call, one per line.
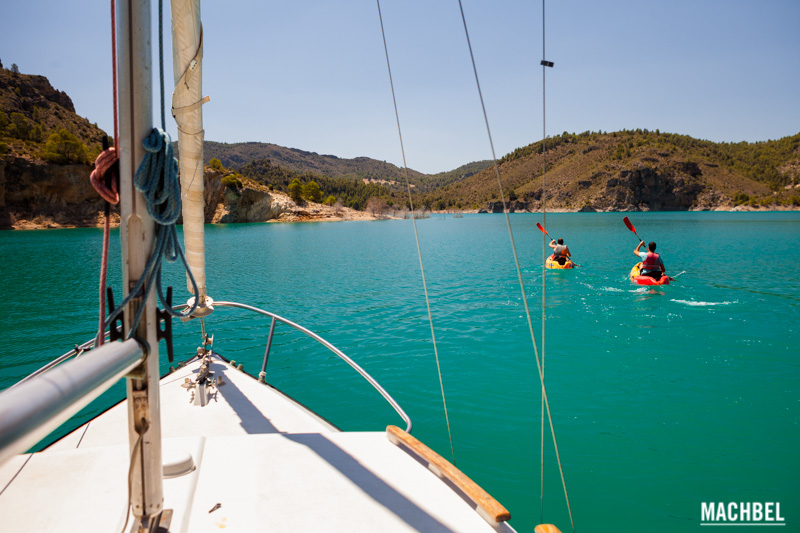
point(110, 196)
point(416, 236)
point(10, 481)
point(114, 71)
point(545, 65)
point(161, 60)
point(544, 259)
point(516, 260)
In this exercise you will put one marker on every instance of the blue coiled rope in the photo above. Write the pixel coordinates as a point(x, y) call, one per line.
point(157, 179)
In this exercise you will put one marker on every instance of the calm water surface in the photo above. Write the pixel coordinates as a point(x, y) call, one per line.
point(662, 399)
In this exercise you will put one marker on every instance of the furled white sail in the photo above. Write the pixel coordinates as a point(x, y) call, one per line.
point(187, 101)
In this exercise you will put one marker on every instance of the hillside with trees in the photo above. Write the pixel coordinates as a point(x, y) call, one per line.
point(346, 191)
point(362, 169)
point(634, 170)
point(38, 121)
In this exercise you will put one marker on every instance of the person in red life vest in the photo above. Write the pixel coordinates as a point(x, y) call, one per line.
point(652, 264)
point(560, 251)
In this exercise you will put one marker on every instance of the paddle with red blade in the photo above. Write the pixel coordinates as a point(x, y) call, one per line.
point(538, 225)
point(630, 227)
point(541, 228)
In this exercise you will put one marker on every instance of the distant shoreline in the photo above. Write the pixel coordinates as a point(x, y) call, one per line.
point(45, 222)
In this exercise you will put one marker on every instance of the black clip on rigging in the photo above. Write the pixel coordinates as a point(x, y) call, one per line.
point(116, 327)
point(546, 63)
point(166, 332)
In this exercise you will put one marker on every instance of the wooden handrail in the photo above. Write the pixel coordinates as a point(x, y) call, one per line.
point(489, 508)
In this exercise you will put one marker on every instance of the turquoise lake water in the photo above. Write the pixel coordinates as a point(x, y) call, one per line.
point(662, 398)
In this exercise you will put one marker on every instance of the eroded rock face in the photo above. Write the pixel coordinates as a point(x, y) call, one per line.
point(38, 194)
point(228, 205)
point(497, 207)
point(37, 91)
point(647, 189)
point(676, 188)
point(213, 190)
point(60, 193)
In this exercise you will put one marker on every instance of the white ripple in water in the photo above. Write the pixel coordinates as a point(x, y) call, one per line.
point(703, 304)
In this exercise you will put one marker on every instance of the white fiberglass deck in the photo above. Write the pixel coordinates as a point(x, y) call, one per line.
point(269, 463)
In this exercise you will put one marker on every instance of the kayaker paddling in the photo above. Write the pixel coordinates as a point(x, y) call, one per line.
point(560, 251)
point(652, 264)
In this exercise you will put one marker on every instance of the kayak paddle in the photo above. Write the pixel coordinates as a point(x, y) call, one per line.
point(538, 225)
point(630, 227)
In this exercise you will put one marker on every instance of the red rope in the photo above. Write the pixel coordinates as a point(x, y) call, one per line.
point(106, 163)
point(105, 179)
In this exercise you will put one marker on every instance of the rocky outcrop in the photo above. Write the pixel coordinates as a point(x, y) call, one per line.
point(249, 205)
point(57, 195)
point(253, 202)
point(213, 190)
point(497, 207)
point(36, 91)
point(675, 188)
point(646, 189)
point(35, 194)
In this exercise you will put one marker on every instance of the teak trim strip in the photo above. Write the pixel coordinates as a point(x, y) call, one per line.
point(489, 508)
point(546, 528)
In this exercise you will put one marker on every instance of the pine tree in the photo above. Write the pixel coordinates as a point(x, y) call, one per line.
point(20, 127)
point(312, 192)
point(296, 191)
point(64, 147)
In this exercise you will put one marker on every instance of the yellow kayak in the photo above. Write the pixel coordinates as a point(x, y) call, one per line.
point(552, 263)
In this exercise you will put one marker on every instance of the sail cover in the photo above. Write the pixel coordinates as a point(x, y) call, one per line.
point(187, 56)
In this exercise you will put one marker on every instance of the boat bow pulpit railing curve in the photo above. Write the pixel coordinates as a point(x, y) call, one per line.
point(85, 352)
point(372, 381)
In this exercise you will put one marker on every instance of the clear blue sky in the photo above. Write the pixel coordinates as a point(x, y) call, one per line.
point(312, 74)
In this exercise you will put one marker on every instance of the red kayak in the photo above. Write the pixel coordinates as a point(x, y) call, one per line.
point(647, 280)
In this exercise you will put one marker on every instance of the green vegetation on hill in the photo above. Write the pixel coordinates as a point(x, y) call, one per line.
point(236, 155)
point(363, 169)
point(349, 192)
point(636, 169)
point(39, 122)
point(434, 181)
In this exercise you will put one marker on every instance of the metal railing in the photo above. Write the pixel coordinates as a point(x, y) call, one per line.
point(29, 411)
point(276, 318)
point(84, 350)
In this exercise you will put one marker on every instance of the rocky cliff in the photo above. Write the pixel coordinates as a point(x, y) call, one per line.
point(253, 202)
point(38, 194)
point(34, 91)
point(248, 203)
